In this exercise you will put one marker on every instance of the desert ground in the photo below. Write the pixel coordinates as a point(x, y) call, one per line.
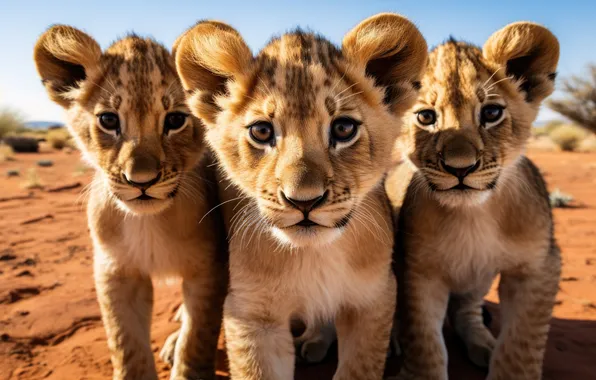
point(50, 325)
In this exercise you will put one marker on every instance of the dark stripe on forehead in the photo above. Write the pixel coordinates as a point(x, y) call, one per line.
point(330, 105)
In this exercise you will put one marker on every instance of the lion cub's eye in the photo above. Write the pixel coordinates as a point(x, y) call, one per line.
point(343, 129)
point(109, 122)
point(491, 114)
point(261, 132)
point(174, 121)
point(426, 117)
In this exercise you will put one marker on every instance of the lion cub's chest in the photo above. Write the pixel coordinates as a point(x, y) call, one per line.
point(146, 245)
point(323, 280)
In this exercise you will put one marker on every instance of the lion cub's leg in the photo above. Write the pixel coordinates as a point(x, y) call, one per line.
point(423, 305)
point(258, 341)
point(363, 336)
point(465, 315)
point(126, 300)
point(527, 302)
point(196, 340)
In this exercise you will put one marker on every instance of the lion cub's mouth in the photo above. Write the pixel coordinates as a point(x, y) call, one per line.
point(306, 223)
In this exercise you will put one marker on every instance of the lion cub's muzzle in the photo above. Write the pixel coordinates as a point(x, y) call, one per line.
point(305, 206)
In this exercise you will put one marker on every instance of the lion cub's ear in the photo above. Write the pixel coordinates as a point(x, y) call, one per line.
point(392, 51)
point(207, 55)
point(530, 53)
point(64, 57)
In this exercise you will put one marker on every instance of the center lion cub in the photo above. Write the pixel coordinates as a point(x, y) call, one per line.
point(304, 132)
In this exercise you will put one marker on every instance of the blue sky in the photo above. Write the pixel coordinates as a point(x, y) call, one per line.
point(22, 21)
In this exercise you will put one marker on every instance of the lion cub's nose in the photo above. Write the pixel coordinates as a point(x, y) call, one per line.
point(141, 172)
point(460, 173)
point(305, 205)
point(142, 185)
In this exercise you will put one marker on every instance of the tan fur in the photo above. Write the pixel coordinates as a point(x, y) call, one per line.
point(279, 271)
point(137, 240)
point(453, 242)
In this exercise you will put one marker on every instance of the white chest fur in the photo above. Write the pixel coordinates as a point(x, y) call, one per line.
point(316, 283)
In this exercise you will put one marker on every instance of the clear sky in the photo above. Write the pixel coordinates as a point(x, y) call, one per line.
point(22, 21)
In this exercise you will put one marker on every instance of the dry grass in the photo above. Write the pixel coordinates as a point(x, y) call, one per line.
point(543, 143)
point(559, 199)
point(568, 137)
point(588, 145)
point(6, 153)
point(33, 181)
point(58, 138)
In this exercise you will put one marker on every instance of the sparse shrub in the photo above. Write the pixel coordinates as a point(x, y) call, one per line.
point(58, 138)
point(547, 128)
point(10, 122)
point(6, 153)
point(45, 163)
point(568, 137)
point(33, 181)
point(579, 103)
point(13, 173)
point(559, 199)
point(22, 144)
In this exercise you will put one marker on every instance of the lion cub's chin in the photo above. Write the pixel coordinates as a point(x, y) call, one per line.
point(144, 207)
point(303, 237)
point(462, 198)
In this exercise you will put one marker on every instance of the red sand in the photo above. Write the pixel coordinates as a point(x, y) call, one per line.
point(50, 326)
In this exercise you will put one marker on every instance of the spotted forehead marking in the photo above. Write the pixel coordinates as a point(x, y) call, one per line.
point(142, 69)
point(299, 65)
point(455, 73)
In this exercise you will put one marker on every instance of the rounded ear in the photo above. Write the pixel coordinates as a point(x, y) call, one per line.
point(64, 56)
point(392, 51)
point(207, 55)
point(530, 53)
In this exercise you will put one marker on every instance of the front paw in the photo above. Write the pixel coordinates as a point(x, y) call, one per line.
point(480, 349)
point(169, 348)
point(315, 350)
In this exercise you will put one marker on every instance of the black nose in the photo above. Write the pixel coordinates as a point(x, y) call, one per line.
point(306, 205)
point(142, 185)
point(460, 172)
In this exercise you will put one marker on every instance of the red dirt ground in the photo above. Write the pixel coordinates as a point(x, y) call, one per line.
point(50, 326)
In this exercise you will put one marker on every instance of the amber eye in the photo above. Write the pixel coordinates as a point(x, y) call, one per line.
point(174, 121)
point(491, 113)
point(262, 132)
point(110, 122)
point(426, 117)
point(343, 129)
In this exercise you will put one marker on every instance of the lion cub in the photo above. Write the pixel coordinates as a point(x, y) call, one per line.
point(476, 207)
point(127, 112)
point(304, 133)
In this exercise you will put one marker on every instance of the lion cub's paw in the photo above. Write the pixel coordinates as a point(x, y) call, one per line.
point(480, 349)
point(169, 348)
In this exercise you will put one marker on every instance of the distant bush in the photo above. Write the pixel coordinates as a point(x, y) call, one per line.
point(22, 144)
point(10, 122)
point(58, 138)
point(568, 137)
point(547, 128)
